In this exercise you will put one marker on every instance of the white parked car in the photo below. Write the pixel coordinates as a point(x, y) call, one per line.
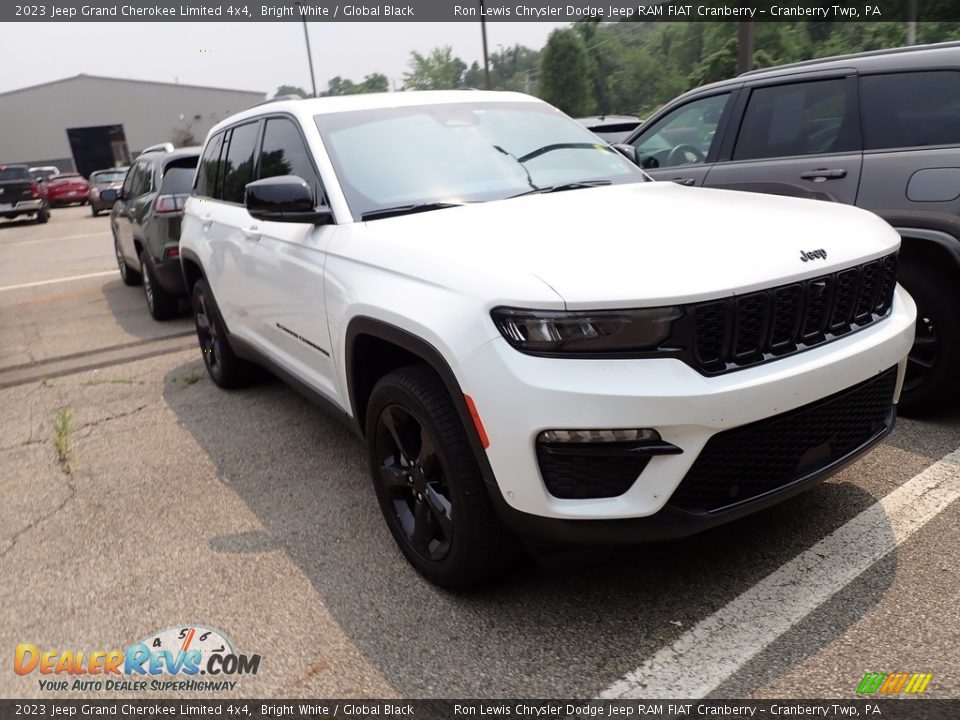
point(533, 338)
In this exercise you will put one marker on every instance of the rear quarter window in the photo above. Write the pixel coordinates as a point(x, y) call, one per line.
point(209, 171)
point(916, 109)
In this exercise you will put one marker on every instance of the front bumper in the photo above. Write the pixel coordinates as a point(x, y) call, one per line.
point(522, 395)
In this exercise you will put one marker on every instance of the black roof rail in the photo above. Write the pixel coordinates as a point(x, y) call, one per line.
point(853, 56)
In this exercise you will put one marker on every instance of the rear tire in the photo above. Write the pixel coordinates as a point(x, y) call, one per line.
point(224, 367)
point(932, 382)
point(161, 304)
point(428, 483)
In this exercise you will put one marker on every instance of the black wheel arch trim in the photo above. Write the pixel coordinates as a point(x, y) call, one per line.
point(187, 254)
point(363, 325)
point(932, 229)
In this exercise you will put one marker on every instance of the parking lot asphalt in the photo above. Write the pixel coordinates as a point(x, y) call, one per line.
point(250, 511)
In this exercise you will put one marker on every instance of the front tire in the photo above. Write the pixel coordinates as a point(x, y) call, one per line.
point(932, 382)
point(428, 483)
point(223, 366)
point(43, 214)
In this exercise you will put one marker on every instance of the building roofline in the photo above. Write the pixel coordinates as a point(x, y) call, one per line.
point(129, 80)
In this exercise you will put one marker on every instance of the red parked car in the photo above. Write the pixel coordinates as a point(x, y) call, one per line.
point(67, 188)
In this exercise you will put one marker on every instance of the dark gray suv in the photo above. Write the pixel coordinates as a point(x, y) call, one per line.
point(145, 222)
point(878, 130)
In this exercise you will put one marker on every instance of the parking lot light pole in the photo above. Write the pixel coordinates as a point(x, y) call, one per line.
point(744, 47)
point(306, 36)
point(486, 61)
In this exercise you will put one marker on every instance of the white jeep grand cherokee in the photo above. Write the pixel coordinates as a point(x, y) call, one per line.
point(532, 337)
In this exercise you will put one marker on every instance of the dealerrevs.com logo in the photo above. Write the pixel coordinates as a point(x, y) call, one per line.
point(186, 658)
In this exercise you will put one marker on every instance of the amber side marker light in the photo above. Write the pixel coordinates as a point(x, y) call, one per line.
point(477, 423)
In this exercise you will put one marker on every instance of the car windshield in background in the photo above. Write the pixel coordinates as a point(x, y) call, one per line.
point(178, 178)
point(112, 176)
point(14, 173)
point(434, 155)
point(67, 176)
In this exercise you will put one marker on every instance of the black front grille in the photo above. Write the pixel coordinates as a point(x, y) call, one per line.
point(744, 331)
point(749, 461)
point(580, 471)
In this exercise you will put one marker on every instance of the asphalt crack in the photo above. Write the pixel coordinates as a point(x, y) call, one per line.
point(71, 493)
point(90, 425)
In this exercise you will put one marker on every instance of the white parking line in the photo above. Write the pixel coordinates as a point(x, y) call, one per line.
point(51, 239)
point(58, 280)
point(717, 647)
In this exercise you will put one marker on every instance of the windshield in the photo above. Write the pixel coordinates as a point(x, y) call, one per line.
point(108, 176)
point(462, 152)
point(14, 173)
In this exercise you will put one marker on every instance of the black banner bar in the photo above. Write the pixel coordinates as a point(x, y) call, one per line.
point(472, 11)
point(881, 709)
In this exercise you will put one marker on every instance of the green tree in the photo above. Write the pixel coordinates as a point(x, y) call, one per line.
point(439, 70)
point(291, 90)
point(374, 83)
point(564, 73)
point(340, 86)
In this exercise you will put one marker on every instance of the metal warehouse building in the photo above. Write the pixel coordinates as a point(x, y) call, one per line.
point(86, 122)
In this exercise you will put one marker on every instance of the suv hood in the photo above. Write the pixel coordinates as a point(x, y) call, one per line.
point(642, 244)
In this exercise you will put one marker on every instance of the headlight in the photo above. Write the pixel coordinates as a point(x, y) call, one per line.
point(590, 332)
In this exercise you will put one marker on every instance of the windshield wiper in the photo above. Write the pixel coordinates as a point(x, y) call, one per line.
point(564, 146)
point(564, 186)
point(407, 209)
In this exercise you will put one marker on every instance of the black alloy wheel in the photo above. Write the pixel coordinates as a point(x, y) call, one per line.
point(428, 483)
point(413, 478)
point(223, 366)
point(129, 277)
point(931, 381)
point(923, 355)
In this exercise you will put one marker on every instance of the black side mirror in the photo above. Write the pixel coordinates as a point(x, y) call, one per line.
point(109, 195)
point(628, 151)
point(285, 198)
point(119, 194)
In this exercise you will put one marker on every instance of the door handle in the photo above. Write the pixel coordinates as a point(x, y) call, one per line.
point(823, 174)
point(206, 222)
point(684, 181)
point(250, 233)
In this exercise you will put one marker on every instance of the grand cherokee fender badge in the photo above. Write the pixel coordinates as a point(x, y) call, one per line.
point(820, 254)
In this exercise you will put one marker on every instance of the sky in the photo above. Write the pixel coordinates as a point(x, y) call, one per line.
point(244, 56)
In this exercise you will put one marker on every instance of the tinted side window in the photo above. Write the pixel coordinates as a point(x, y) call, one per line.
point(806, 118)
point(683, 136)
point(209, 167)
point(911, 109)
point(238, 169)
point(142, 179)
point(128, 182)
point(284, 153)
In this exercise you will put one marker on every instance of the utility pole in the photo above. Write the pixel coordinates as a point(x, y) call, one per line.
point(744, 46)
point(486, 60)
point(912, 22)
point(306, 36)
